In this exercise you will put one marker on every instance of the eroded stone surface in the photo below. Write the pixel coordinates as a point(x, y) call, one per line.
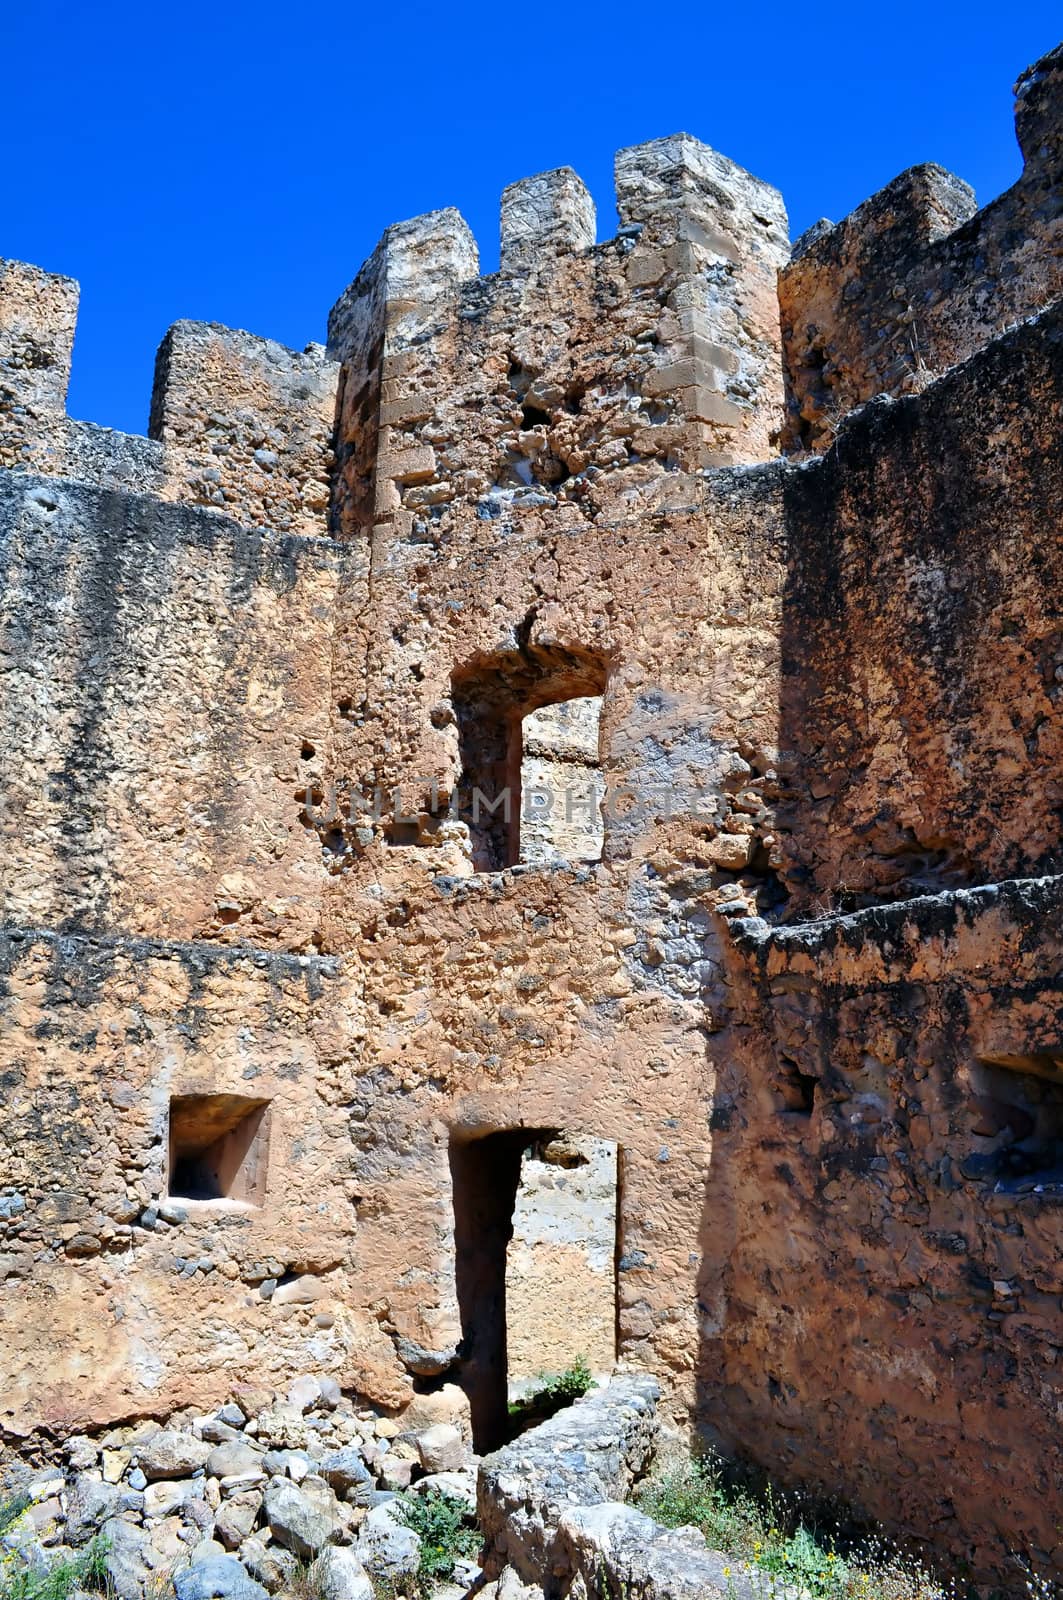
point(242, 681)
point(613, 1549)
point(916, 278)
point(589, 1454)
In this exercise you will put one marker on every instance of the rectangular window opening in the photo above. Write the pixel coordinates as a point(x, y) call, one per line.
point(1017, 1121)
point(531, 789)
point(219, 1147)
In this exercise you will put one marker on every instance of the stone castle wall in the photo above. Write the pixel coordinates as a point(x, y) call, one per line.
point(917, 279)
point(254, 668)
point(165, 679)
point(894, 1114)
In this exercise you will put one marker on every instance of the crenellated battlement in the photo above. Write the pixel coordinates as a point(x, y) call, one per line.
point(655, 350)
point(38, 314)
point(237, 422)
point(549, 214)
point(917, 278)
point(246, 425)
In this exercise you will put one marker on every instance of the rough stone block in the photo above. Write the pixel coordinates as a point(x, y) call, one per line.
point(218, 1578)
point(416, 264)
point(170, 1454)
point(544, 216)
point(665, 178)
point(1039, 114)
point(614, 1549)
point(297, 1522)
point(247, 425)
point(587, 1454)
point(388, 1550)
point(339, 1575)
point(441, 1448)
point(38, 315)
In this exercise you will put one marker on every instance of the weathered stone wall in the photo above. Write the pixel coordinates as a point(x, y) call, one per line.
point(165, 701)
point(511, 1005)
point(916, 280)
point(38, 313)
point(861, 1153)
point(823, 685)
point(922, 645)
point(658, 348)
point(591, 1454)
point(237, 422)
point(246, 425)
point(116, 1301)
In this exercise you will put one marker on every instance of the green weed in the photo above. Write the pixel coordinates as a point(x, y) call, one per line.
point(554, 1391)
point(767, 1532)
point(86, 1570)
point(446, 1529)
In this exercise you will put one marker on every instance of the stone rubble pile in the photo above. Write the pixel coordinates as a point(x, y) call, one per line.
point(297, 1494)
point(236, 1504)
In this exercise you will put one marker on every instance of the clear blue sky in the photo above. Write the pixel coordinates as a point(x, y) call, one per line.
point(236, 162)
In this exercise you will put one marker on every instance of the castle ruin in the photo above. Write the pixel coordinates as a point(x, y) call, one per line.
point(536, 830)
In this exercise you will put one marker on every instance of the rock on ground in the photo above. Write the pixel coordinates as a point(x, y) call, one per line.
point(162, 1499)
point(91, 1503)
point(128, 1572)
point(616, 1550)
point(169, 1454)
point(218, 1578)
point(296, 1522)
point(236, 1520)
point(458, 1485)
point(508, 1586)
point(345, 1468)
point(270, 1564)
point(234, 1458)
point(387, 1549)
point(339, 1575)
point(441, 1448)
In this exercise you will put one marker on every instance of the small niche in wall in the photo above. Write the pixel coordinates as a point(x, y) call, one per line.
point(795, 1090)
point(1017, 1119)
point(219, 1148)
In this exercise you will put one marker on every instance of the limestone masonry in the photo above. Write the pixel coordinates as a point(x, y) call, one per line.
point(534, 831)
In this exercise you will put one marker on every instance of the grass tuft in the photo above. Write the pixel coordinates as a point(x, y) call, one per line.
point(554, 1391)
point(86, 1570)
point(769, 1532)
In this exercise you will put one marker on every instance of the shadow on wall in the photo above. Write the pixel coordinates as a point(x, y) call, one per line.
point(485, 1173)
point(857, 1335)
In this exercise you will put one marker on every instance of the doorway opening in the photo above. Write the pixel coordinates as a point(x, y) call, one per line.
point(535, 1214)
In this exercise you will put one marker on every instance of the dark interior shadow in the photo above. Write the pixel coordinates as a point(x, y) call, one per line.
point(485, 1174)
